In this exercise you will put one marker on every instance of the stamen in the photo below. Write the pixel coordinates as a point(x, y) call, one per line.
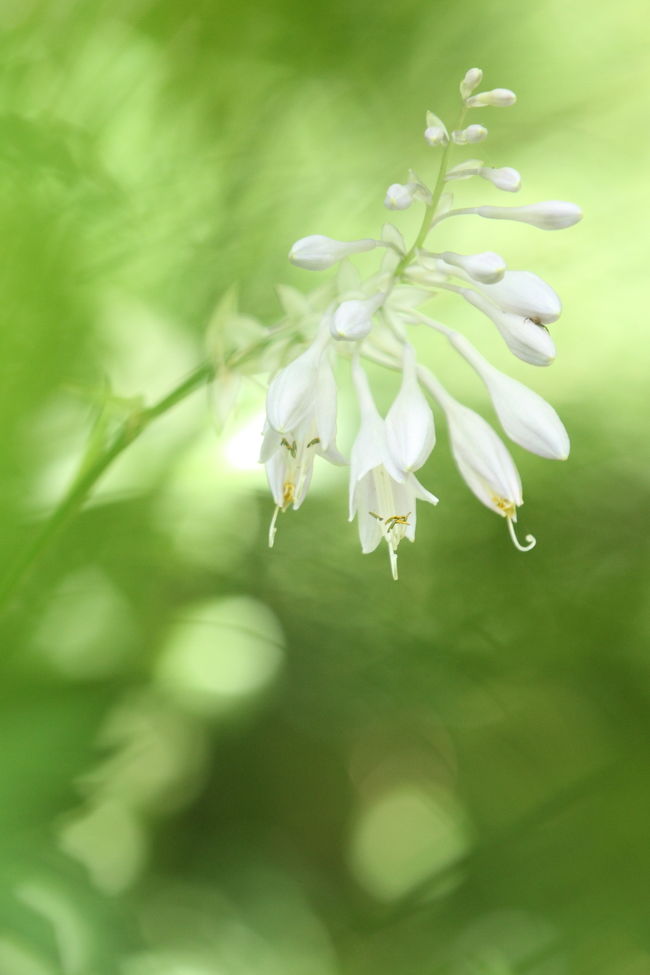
point(272, 528)
point(530, 539)
point(313, 442)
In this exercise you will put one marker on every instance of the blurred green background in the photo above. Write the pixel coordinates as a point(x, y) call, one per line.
point(220, 760)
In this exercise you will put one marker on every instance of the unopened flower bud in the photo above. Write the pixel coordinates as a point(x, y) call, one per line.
point(549, 215)
point(399, 196)
point(525, 339)
point(486, 268)
point(436, 131)
point(352, 319)
point(506, 178)
point(497, 97)
point(470, 135)
point(472, 80)
point(525, 416)
point(317, 253)
point(524, 293)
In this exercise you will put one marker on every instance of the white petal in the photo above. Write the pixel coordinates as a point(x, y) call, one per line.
point(276, 467)
point(550, 215)
point(291, 393)
point(524, 338)
point(270, 443)
point(409, 423)
point(524, 293)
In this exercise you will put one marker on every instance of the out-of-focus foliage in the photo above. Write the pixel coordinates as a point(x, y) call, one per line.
point(218, 760)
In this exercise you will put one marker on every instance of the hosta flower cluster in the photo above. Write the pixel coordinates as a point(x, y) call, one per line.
point(376, 319)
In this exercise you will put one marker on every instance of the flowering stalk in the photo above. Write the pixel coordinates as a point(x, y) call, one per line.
point(373, 317)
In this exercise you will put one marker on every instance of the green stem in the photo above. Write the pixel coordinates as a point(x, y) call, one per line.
point(430, 211)
point(80, 488)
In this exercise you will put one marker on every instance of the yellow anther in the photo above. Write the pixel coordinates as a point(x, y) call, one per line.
point(507, 508)
point(288, 494)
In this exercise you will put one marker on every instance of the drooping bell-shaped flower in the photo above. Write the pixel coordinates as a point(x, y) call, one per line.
point(524, 415)
point(524, 337)
point(549, 215)
point(482, 459)
point(352, 320)
point(497, 98)
point(301, 422)
point(409, 422)
point(317, 253)
point(486, 268)
point(525, 293)
point(382, 496)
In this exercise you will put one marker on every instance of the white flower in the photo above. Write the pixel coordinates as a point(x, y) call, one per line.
point(470, 135)
point(498, 97)
point(301, 422)
point(399, 196)
point(472, 80)
point(381, 495)
point(352, 320)
point(409, 422)
point(550, 215)
point(482, 459)
point(524, 415)
point(486, 267)
point(524, 293)
point(525, 339)
point(317, 253)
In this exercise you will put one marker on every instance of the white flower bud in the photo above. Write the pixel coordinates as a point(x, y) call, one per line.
point(436, 135)
point(527, 418)
point(472, 80)
point(436, 131)
point(352, 320)
point(550, 215)
point(399, 196)
point(470, 135)
point(317, 253)
point(409, 422)
point(497, 97)
point(524, 293)
point(486, 267)
point(524, 338)
point(504, 179)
